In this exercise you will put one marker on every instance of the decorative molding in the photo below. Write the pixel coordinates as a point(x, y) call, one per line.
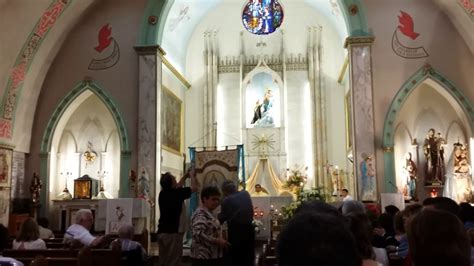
point(149, 49)
point(292, 63)
point(468, 7)
point(23, 62)
point(4, 145)
point(359, 40)
point(86, 84)
point(175, 72)
point(156, 49)
point(343, 70)
point(388, 149)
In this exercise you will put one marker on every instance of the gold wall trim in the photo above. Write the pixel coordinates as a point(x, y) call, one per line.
point(175, 72)
point(153, 49)
point(358, 40)
point(343, 70)
point(387, 149)
point(150, 49)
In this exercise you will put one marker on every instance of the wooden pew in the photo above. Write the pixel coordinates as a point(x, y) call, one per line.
point(109, 257)
point(67, 257)
point(51, 261)
point(26, 256)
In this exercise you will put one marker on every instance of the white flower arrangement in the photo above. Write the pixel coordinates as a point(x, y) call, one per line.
point(257, 226)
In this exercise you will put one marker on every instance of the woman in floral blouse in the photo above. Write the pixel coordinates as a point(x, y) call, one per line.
point(208, 244)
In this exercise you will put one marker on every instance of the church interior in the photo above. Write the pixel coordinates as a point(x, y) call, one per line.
point(282, 97)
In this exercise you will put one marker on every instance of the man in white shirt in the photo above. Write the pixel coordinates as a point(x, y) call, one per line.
point(80, 230)
point(345, 195)
point(44, 231)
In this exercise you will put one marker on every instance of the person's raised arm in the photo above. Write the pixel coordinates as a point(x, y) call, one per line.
point(192, 175)
point(181, 181)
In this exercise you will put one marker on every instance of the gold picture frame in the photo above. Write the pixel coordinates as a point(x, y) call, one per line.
point(347, 109)
point(171, 122)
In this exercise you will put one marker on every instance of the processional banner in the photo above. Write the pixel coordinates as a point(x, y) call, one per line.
point(215, 167)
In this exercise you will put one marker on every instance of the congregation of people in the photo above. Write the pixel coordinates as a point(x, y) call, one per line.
point(436, 232)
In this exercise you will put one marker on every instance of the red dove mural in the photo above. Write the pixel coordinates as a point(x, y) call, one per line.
point(407, 26)
point(104, 38)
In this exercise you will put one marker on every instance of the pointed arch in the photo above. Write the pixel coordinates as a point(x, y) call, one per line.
point(425, 74)
point(47, 140)
point(70, 97)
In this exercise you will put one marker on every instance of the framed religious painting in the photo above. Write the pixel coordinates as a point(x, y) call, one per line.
point(5, 167)
point(171, 122)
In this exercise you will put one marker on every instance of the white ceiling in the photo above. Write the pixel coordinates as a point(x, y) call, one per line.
point(185, 15)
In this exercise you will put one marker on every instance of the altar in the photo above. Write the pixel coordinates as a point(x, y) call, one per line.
point(64, 210)
point(265, 210)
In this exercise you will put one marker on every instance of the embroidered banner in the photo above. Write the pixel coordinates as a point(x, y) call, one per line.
point(214, 167)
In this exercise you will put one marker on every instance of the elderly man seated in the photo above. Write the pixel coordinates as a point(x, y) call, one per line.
point(80, 230)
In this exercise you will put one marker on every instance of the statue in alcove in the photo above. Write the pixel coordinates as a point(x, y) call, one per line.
point(433, 148)
point(263, 112)
point(410, 174)
point(458, 185)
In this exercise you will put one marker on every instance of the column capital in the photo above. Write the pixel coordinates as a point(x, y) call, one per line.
point(6, 145)
point(149, 49)
point(358, 40)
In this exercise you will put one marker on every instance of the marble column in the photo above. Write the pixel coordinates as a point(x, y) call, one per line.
point(149, 120)
point(362, 113)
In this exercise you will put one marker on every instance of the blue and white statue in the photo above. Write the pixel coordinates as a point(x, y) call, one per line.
point(263, 112)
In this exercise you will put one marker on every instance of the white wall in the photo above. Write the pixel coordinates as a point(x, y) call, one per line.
point(225, 19)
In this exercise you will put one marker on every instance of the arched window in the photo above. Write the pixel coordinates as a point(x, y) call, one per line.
point(262, 16)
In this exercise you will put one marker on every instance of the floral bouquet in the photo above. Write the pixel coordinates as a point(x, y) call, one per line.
point(257, 226)
point(297, 177)
point(305, 195)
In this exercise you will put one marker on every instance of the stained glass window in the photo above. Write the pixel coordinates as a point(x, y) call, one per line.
point(262, 16)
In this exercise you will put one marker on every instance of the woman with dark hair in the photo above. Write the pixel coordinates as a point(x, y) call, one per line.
point(316, 238)
point(208, 244)
point(360, 227)
point(438, 238)
point(28, 236)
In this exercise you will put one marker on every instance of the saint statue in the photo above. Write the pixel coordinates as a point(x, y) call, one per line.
point(257, 112)
point(367, 170)
point(458, 185)
point(409, 172)
point(35, 188)
point(263, 111)
point(143, 188)
point(433, 148)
